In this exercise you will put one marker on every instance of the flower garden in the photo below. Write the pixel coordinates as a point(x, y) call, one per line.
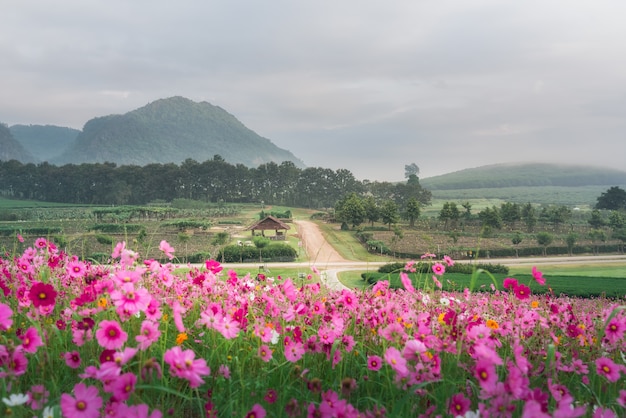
point(138, 338)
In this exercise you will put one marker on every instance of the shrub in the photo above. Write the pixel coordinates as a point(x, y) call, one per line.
point(104, 239)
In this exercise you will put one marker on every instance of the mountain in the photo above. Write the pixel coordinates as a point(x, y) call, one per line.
point(171, 131)
point(11, 149)
point(44, 142)
point(525, 174)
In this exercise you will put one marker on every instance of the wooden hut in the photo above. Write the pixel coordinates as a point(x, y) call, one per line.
point(270, 223)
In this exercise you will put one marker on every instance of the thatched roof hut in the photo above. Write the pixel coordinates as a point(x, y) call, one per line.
point(270, 223)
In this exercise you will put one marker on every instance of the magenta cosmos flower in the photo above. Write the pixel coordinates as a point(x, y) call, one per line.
point(183, 365)
point(257, 411)
point(374, 363)
point(111, 335)
point(522, 291)
point(31, 340)
point(5, 317)
point(86, 402)
point(42, 294)
point(607, 368)
point(459, 405)
point(439, 269)
point(538, 276)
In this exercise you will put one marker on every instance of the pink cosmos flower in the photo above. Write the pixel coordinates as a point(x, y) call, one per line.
point(72, 359)
point(129, 299)
point(607, 368)
point(293, 350)
point(510, 283)
point(37, 397)
point(123, 386)
point(42, 294)
point(257, 411)
point(538, 276)
point(437, 282)
point(522, 292)
point(20, 238)
point(167, 249)
point(183, 365)
point(459, 405)
point(439, 269)
point(148, 334)
point(86, 402)
point(374, 363)
point(5, 317)
point(119, 248)
point(213, 266)
point(271, 396)
point(76, 269)
point(485, 373)
point(265, 353)
point(394, 358)
point(406, 282)
point(449, 261)
point(111, 335)
point(31, 340)
point(621, 398)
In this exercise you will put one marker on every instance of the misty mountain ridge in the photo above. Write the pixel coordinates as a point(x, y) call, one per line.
point(11, 148)
point(525, 175)
point(168, 130)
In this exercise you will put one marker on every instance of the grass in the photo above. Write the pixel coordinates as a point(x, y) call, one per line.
point(609, 278)
point(347, 245)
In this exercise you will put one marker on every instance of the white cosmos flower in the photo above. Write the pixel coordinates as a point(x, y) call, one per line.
point(444, 301)
point(15, 399)
point(48, 412)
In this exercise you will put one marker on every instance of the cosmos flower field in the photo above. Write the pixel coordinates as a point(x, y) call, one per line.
point(139, 338)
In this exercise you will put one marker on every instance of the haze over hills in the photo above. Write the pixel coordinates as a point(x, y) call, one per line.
point(168, 130)
point(44, 142)
point(11, 149)
point(524, 175)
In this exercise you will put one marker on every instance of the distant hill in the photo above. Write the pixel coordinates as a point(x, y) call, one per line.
point(44, 142)
point(11, 149)
point(171, 131)
point(524, 175)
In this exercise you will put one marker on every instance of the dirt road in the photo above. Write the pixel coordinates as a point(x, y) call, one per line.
point(320, 252)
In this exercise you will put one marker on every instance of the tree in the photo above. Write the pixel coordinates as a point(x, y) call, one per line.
point(412, 211)
point(411, 170)
point(468, 210)
point(616, 220)
point(351, 210)
point(596, 220)
point(517, 240)
point(389, 213)
point(596, 236)
point(449, 212)
point(490, 217)
point(544, 239)
point(620, 234)
point(510, 213)
point(529, 216)
point(613, 199)
point(570, 240)
point(372, 211)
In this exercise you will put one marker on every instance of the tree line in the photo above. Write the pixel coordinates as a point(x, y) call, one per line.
point(213, 180)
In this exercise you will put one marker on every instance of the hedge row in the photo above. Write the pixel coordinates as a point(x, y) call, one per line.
point(273, 252)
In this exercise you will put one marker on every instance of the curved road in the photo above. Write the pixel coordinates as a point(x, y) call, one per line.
point(329, 262)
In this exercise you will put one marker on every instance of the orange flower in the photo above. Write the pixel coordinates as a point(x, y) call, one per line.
point(181, 338)
point(102, 303)
point(492, 324)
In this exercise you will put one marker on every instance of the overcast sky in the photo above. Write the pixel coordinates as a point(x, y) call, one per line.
point(365, 85)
